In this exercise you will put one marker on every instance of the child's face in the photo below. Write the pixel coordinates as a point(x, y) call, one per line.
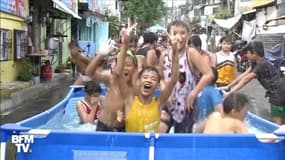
point(148, 82)
point(129, 68)
point(250, 56)
point(226, 46)
point(94, 98)
point(181, 34)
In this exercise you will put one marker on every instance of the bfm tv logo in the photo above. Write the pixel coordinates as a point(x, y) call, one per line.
point(22, 142)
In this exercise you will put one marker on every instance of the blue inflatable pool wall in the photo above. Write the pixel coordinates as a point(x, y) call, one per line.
point(78, 145)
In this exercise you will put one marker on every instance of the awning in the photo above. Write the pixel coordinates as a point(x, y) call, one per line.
point(228, 23)
point(261, 3)
point(249, 12)
point(65, 9)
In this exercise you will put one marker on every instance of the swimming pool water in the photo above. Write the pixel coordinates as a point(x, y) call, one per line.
point(68, 120)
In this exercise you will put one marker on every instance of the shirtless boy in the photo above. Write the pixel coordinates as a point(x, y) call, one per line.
point(232, 121)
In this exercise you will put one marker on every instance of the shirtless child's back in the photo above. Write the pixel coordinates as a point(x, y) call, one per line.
point(232, 121)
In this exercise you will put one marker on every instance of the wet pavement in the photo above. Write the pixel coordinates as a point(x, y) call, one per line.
point(36, 106)
point(259, 104)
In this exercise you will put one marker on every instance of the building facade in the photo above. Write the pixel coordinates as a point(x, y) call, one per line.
point(13, 32)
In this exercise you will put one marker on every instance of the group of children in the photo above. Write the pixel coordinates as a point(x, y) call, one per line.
point(186, 81)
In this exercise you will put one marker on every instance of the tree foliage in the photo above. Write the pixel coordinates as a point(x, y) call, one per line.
point(146, 12)
point(114, 24)
point(223, 14)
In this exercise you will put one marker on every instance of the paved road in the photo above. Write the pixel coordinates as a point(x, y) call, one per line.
point(36, 106)
point(259, 104)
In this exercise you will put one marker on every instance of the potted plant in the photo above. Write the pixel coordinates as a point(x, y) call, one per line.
point(59, 69)
point(25, 70)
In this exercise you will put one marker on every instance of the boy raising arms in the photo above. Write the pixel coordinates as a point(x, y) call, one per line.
point(113, 99)
point(81, 61)
point(142, 110)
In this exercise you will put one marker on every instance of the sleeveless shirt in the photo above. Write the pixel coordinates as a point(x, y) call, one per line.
point(187, 81)
point(143, 118)
point(225, 68)
point(87, 109)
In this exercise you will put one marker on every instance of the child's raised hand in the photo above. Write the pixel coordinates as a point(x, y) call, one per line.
point(105, 48)
point(173, 41)
point(125, 33)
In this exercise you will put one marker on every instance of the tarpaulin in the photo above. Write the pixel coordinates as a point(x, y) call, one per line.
point(248, 30)
point(228, 23)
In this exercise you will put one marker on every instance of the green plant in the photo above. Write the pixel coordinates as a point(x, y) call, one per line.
point(223, 14)
point(35, 74)
point(113, 24)
point(146, 12)
point(59, 69)
point(25, 70)
point(68, 63)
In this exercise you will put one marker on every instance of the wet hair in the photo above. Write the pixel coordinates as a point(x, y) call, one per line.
point(150, 69)
point(196, 41)
point(235, 101)
point(131, 55)
point(225, 39)
point(163, 38)
point(134, 58)
point(215, 74)
point(149, 37)
point(178, 23)
point(255, 47)
point(91, 87)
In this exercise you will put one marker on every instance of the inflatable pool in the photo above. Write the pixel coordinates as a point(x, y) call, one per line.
point(35, 142)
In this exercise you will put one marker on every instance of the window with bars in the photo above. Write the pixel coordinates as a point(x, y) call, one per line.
point(5, 44)
point(20, 44)
point(87, 31)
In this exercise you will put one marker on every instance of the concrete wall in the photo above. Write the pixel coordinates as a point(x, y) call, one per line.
point(264, 14)
point(66, 40)
point(66, 29)
point(9, 68)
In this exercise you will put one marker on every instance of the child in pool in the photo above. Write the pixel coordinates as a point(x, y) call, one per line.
point(232, 121)
point(111, 119)
point(89, 107)
point(142, 110)
point(81, 61)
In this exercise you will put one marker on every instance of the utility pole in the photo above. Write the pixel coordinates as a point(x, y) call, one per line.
point(229, 6)
point(172, 8)
point(36, 27)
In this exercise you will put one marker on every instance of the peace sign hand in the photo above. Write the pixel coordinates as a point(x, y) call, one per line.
point(173, 42)
point(126, 32)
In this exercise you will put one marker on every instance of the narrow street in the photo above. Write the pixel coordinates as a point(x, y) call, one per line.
point(32, 108)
